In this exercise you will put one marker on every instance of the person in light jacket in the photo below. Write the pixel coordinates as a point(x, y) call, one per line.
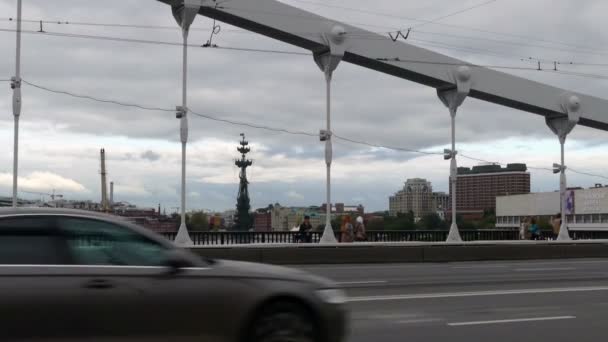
point(360, 234)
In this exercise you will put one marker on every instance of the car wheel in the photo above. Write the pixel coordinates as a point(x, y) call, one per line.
point(284, 322)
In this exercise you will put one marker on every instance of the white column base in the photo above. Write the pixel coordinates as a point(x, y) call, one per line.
point(183, 238)
point(454, 235)
point(563, 233)
point(328, 235)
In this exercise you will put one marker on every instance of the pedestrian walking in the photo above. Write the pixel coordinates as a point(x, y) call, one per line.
point(305, 231)
point(534, 230)
point(360, 234)
point(347, 230)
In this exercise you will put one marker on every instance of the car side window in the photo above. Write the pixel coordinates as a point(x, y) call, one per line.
point(30, 240)
point(95, 242)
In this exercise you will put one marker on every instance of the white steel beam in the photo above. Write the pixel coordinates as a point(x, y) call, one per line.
point(306, 30)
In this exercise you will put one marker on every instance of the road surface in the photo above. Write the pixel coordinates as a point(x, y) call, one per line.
point(552, 301)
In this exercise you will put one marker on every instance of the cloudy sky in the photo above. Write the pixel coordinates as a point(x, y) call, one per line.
point(61, 135)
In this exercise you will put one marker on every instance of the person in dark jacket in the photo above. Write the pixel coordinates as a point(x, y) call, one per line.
point(305, 232)
point(535, 230)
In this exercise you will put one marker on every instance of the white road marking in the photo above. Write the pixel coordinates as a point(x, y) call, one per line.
point(544, 269)
point(507, 321)
point(369, 282)
point(463, 265)
point(418, 321)
point(478, 267)
point(389, 317)
point(477, 294)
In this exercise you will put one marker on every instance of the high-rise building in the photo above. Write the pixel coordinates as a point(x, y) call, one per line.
point(416, 196)
point(441, 201)
point(477, 188)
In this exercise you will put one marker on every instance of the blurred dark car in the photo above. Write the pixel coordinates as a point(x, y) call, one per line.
point(68, 275)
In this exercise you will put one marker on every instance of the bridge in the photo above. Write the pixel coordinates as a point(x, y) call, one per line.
point(332, 42)
point(392, 295)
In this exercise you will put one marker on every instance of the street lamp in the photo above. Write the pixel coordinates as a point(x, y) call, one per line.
point(562, 126)
point(184, 14)
point(328, 62)
point(452, 97)
point(17, 102)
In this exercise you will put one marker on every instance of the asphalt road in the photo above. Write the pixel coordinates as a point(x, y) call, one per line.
point(563, 300)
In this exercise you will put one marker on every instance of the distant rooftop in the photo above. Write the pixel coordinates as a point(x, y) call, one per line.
point(492, 169)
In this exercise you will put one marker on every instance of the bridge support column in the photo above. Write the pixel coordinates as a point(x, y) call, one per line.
point(452, 97)
point(328, 61)
point(184, 13)
point(562, 126)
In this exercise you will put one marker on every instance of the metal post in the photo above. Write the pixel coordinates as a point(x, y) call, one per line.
point(452, 97)
point(563, 230)
point(562, 126)
point(183, 237)
point(328, 233)
point(17, 101)
point(454, 234)
point(328, 61)
point(184, 14)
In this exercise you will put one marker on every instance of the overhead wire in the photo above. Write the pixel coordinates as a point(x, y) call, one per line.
point(454, 13)
point(401, 149)
point(68, 23)
point(87, 97)
point(587, 173)
point(156, 42)
point(418, 41)
point(142, 26)
point(526, 37)
point(255, 126)
point(374, 36)
point(280, 130)
point(285, 52)
point(523, 44)
point(489, 66)
point(308, 17)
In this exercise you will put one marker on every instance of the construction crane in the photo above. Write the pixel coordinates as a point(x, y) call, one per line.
point(52, 195)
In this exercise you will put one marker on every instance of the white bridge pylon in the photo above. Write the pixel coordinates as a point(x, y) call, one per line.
point(310, 31)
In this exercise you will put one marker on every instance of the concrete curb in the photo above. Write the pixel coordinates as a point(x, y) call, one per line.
point(406, 252)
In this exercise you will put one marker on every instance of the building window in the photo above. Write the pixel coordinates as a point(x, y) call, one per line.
point(595, 218)
point(604, 218)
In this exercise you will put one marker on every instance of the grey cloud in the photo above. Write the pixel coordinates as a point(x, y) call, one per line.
point(150, 156)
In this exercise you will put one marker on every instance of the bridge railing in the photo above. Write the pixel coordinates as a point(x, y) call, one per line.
point(239, 238)
point(236, 238)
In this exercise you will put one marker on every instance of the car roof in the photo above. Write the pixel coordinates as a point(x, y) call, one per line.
point(9, 211)
point(20, 211)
